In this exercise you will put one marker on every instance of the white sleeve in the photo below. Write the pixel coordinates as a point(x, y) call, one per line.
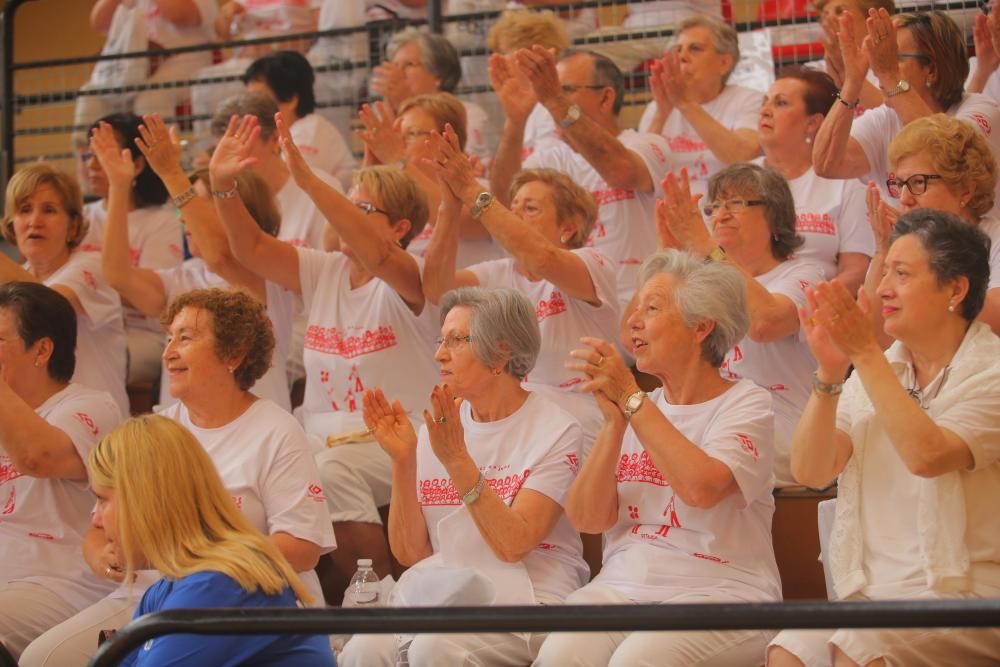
point(311, 265)
point(748, 104)
point(554, 473)
point(647, 117)
point(475, 121)
point(101, 304)
point(873, 132)
point(852, 220)
point(292, 494)
point(795, 279)
point(85, 418)
point(984, 114)
point(846, 409)
point(653, 149)
point(161, 248)
point(489, 274)
point(602, 272)
point(743, 440)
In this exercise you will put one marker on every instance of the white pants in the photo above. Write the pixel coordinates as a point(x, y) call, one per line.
point(732, 648)
point(455, 650)
point(206, 97)
point(73, 642)
point(26, 611)
point(357, 480)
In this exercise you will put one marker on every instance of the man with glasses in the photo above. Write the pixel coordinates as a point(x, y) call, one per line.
point(622, 169)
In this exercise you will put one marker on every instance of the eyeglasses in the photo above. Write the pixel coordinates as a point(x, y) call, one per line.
point(916, 56)
point(916, 184)
point(734, 206)
point(451, 341)
point(569, 89)
point(368, 208)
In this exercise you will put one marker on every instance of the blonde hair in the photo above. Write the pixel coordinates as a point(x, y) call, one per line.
point(958, 152)
point(399, 194)
point(256, 196)
point(24, 183)
point(445, 108)
point(571, 200)
point(174, 510)
point(522, 29)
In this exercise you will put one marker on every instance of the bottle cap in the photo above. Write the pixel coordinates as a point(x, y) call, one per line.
point(364, 562)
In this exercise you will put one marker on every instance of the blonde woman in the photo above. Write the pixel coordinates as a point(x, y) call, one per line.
point(160, 499)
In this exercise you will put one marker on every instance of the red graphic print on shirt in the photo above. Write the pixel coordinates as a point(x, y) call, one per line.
point(86, 420)
point(555, 305)
point(638, 467)
point(441, 491)
point(330, 340)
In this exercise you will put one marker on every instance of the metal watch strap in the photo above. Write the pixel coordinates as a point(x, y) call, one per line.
point(633, 403)
point(183, 198)
point(227, 194)
point(572, 115)
point(473, 494)
point(484, 200)
point(827, 388)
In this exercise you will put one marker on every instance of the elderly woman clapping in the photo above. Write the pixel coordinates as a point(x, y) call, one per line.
point(913, 437)
point(752, 215)
point(679, 481)
point(477, 497)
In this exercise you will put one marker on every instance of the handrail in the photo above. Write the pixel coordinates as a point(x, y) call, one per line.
point(587, 618)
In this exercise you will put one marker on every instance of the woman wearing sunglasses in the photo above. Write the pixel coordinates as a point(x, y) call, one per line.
point(752, 216)
point(367, 324)
point(944, 164)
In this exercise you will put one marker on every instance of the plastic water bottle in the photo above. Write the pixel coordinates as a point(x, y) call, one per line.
point(363, 589)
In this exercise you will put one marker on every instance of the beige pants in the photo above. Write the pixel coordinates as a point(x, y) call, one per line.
point(26, 611)
point(73, 642)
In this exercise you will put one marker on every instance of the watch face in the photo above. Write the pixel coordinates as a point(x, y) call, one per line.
point(904, 86)
point(483, 199)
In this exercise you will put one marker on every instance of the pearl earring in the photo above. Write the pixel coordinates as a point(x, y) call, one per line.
point(951, 308)
point(565, 238)
point(809, 140)
point(230, 369)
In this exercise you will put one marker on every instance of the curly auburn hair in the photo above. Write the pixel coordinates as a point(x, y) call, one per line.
point(240, 325)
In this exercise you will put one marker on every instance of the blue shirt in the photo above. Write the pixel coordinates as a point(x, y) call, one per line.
point(207, 590)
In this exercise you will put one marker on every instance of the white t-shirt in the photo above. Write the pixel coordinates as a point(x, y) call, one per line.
point(323, 147)
point(626, 225)
point(101, 346)
point(831, 215)
point(539, 129)
point(265, 463)
point(154, 242)
point(475, 131)
point(875, 130)
point(264, 18)
point(892, 560)
point(169, 35)
point(281, 308)
point(736, 108)
point(661, 547)
point(43, 521)
point(358, 339)
point(538, 448)
point(785, 366)
point(302, 223)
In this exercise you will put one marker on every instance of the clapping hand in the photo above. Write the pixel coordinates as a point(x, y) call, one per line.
point(390, 426)
point(881, 217)
point(381, 134)
point(880, 46)
point(668, 84)
point(444, 159)
point(513, 89)
point(160, 145)
point(444, 427)
point(538, 65)
point(680, 211)
point(608, 378)
point(838, 328)
point(301, 172)
point(116, 161)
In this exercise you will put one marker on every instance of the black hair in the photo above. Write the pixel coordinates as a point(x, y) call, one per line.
point(148, 189)
point(288, 74)
point(42, 312)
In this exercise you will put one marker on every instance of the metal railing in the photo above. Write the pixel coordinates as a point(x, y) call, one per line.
point(588, 618)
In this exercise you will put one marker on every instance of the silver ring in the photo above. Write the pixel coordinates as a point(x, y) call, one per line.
point(600, 360)
point(441, 420)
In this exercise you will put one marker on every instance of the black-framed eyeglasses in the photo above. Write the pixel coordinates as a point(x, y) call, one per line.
point(368, 208)
point(916, 184)
point(451, 341)
point(734, 206)
point(569, 89)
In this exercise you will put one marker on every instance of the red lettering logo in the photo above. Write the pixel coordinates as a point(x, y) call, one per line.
point(638, 467)
point(554, 306)
point(612, 195)
point(315, 492)
point(714, 559)
point(683, 144)
point(41, 536)
point(85, 419)
point(746, 444)
point(983, 122)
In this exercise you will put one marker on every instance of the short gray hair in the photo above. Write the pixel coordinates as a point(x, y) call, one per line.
point(503, 324)
point(764, 183)
point(438, 55)
point(256, 104)
point(705, 291)
point(724, 38)
point(604, 72)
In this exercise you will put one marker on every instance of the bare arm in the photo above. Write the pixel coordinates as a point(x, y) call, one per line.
point(101, 15)
point(301, 554)
point(36, 448)
point(517, 99)
point(440, 274)
point(592, 502)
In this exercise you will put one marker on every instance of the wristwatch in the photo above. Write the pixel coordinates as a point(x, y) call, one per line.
point(717, 254)
point(473, 493)
point(900, 88)
point(572, 115)
point(827, 388)
point(183, 198)
point(483, 202)
point(633, 403)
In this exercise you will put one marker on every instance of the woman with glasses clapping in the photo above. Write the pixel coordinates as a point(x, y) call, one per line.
point(752, 216)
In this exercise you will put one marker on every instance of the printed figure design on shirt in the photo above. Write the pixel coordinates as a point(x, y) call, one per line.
point(638, 467)
point(726, 370)
point(441, 490)
point(573, 461)
point(815, 223)
point(671, 520)
point(555, 305)
point(330, 340)
point(88, 278)
point(8, 507)
point(633, 512)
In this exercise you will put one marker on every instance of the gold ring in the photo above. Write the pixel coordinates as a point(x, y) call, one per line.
point(441, 420)
point(600, 360)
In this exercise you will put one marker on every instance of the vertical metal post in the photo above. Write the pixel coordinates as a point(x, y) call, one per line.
point(434, 16)
point(7, 105)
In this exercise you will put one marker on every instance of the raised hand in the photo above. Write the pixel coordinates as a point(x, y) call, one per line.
point(160, 145)
point(606, 373)
point(847, 322)
point(301, 172)
point(444, 426)
point(680, 210)
point(881, 217)
point(513, 89)
point(381, 134)
point(444, 160)
point(880, 47)
point(389, 81)
point(832, 362)
point(538, 65)
point(390, 426)
point(116, 161)
point(854, 58)
point(665, 238)
point(234, 151)
point(669, 86)
point(831, 50)
point(984, 36)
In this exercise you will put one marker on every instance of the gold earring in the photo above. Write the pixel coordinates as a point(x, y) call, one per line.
point(497, 371)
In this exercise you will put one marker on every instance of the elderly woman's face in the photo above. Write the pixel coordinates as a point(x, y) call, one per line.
point(783, 120)
point(912, 299)
point(374, 210)
point(533, 203)
point(933, 192)
point(739, 224)
point(42, 227)
point(699, 59)
point(461, 369)
point(416, 125)
point(193, 366)
point(16, 361)
point(661, 341)
point(835, 8)
point(419, 79)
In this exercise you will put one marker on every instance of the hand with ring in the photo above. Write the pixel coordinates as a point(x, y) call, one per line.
point(608, 378)
point(390, 426)
point(881, 49)
point(444, 427)
point(838, 329)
